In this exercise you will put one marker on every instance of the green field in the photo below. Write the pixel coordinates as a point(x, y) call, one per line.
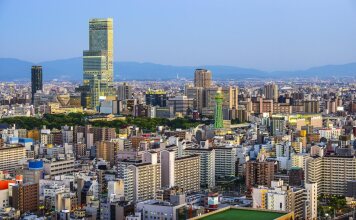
point(243, 215)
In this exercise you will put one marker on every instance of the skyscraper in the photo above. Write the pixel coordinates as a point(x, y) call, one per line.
point(36, 80)
point(98, 60)
point(98, 63)
point(202, 78)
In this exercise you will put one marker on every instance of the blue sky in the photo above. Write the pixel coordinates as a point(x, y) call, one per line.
point(268, 35)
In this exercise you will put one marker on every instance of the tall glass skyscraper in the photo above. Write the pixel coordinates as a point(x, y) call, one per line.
point(36, 80)
point(98, 62)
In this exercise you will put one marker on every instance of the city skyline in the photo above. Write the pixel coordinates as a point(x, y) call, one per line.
point(175, 110)
point(254, 35)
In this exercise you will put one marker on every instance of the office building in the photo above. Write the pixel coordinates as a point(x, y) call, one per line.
point(156, 98)
point(270, 91)
point(36, 80)
point(296, 176)
point(197, 94)
point(202, 78)
point(230, 99)
point(107, 150)
point(98, 63)
point(181, 105)
point(33, 173)
point(124, 91)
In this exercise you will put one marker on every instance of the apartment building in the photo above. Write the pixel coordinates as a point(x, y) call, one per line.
point(10, 155)
point(331, 173)
point(225, 161)
point(207, 165)
point(144, 178)
point(183, 172)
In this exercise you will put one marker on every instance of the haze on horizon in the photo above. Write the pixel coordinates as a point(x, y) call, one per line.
point(267, 35)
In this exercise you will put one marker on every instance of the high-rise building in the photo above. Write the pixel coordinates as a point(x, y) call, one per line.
point(259, 173)
point(10, 157)
point(107, 151)
point(270, 91)
point(202, 78)
point(98, 60)
point(207, 165)
point(25, 197)
point(124, 91)
point(277, 125)
point(156, 98)
point(98, 63)
point(197, 94)
point(230, 99)
point(33, 173)
point(36, 80)
point(312, 200)
point(225, 161)
point(183, 172)
point(144, 180)
point(331, 173)
point(311, 106)
point(181, 104)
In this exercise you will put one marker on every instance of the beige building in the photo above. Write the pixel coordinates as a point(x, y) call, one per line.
point(58, 167)
point(197, 94)
point(312, 198)
point(312, 106)
point(331, 173)
point(145, 179)
point(230, 99)
point(269, 106)
point(202, 78)
point(107, 150)
point(183, 172)
point(10, 155)
point(270, 91)
point(207, 165)
point(280, 197)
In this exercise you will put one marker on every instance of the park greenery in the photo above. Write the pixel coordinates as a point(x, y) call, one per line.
point(57, 120)
point(331, 205)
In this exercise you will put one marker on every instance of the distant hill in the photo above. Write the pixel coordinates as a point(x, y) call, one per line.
point(71, 69)
point(14, 69)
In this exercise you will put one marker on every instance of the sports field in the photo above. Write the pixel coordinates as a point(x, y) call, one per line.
point(239, 214)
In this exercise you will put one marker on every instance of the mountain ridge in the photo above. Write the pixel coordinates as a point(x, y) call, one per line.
point(12, 69)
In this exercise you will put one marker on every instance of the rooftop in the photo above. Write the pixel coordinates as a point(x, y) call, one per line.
point(244, 214)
